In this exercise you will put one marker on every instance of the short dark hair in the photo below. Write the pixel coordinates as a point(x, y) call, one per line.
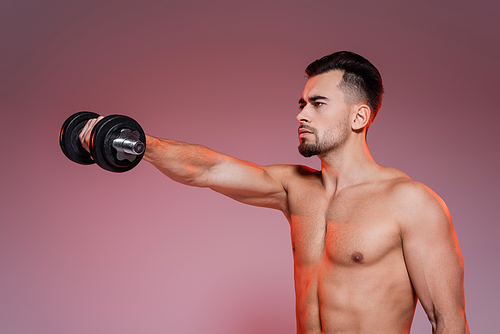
point(361, 81)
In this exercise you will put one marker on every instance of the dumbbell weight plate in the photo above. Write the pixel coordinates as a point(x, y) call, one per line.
point(101, 142)
point(68, 137)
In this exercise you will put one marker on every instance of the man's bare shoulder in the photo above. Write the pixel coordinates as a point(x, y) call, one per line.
point(415, 203)
point(293, 172)
point(414, 194)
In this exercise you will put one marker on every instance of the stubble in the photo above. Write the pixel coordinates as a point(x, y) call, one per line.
point(333, 138)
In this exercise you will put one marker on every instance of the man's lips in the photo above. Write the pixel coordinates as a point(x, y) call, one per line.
point(304, 132)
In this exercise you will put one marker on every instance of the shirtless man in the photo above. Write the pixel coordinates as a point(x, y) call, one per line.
point(367, 240)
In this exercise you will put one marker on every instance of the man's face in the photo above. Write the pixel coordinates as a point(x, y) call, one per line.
point(324, 116)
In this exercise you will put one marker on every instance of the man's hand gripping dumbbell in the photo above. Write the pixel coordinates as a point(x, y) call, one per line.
point(116, 143)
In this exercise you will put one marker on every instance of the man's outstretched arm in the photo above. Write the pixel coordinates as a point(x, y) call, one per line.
point(196, 165)
point(433, 258)
point(199, 166)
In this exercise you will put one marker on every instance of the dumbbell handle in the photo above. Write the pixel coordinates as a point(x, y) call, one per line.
point(128, 145)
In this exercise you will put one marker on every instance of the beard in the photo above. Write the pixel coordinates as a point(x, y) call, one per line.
point(333, 138)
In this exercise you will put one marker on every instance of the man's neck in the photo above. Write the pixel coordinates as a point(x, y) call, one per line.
point(347, 165)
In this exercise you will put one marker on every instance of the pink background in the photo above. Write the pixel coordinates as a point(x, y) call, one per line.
point(83, 250)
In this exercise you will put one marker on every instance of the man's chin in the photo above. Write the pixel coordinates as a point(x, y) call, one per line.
point(308, 150)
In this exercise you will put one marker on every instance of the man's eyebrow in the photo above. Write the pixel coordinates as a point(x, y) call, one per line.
point(317, 97)
point(312, 99)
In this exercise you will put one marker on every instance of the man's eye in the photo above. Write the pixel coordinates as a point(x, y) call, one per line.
point(318, 104)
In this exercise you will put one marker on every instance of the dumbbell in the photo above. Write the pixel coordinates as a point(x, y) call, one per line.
point(117, 143)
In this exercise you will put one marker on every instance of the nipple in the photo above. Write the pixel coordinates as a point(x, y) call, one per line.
point(357, 257)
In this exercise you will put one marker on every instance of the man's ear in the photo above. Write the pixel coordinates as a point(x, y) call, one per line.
point(361, 117)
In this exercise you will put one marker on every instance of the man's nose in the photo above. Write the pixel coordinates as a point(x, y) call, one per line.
point(303, 116)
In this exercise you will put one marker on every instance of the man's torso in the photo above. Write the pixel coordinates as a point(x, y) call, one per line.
point(350, 273)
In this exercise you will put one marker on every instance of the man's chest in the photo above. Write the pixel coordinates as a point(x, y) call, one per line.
point(354, 227)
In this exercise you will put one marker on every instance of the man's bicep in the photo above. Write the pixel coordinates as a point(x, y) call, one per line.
point(435, 267)
point(250, 183)
point(433, 258)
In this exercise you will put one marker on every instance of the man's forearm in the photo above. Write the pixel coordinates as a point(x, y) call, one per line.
point(457, 326)
point(182, 162)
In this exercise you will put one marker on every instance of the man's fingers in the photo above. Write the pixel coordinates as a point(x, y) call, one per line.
point(84, 135)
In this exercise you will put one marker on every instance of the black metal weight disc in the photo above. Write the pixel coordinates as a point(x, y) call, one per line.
point(68, 137)
point(101, 142)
